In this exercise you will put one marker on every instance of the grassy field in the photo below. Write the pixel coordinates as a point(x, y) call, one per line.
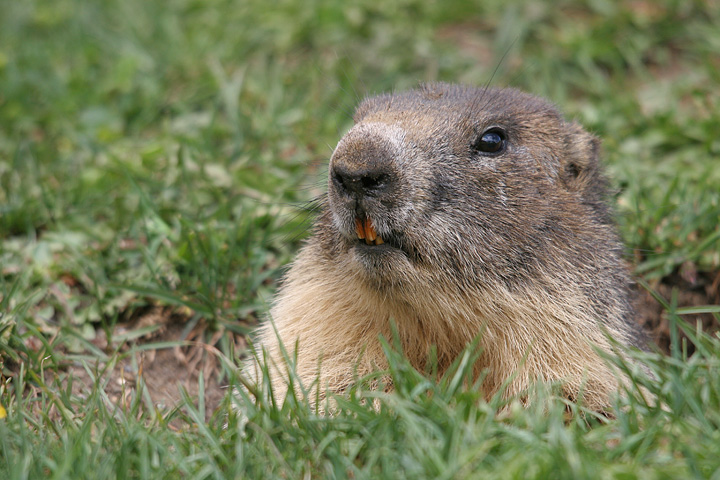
point(157, 166)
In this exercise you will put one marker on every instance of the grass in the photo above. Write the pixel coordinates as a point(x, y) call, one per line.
point(426, 429)
point(163, 153)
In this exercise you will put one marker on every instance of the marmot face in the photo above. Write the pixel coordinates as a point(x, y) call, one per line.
point(464, 186)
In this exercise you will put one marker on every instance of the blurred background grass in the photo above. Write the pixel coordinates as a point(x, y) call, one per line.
point(167, 154)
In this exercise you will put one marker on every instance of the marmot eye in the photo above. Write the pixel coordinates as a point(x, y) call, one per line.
point(491, 141)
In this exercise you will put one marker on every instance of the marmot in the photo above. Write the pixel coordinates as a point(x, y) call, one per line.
point(457, 212)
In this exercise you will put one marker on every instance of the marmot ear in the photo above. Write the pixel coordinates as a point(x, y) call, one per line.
point(579, 164)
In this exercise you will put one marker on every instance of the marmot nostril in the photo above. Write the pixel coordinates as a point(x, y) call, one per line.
point(375, 182)
point(360, 183)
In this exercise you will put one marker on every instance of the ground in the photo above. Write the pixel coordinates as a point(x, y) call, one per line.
point(166, 372)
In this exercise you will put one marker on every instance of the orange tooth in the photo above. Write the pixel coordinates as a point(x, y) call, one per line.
point(359, 228)
point(379, 241)
point(370, 230)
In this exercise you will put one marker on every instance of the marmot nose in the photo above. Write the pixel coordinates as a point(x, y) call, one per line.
point(360, 181)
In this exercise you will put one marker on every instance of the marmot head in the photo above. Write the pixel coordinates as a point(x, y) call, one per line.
point(458, 184)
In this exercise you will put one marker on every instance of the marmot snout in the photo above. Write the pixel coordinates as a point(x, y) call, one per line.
point(453, 212)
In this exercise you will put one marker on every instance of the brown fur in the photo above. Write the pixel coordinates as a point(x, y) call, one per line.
point(517, 246)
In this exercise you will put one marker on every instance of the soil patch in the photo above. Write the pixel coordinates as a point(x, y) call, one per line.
point(183, 351)
point(691, 289)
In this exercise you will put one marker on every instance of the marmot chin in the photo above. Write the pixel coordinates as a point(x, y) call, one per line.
point(457, 212)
